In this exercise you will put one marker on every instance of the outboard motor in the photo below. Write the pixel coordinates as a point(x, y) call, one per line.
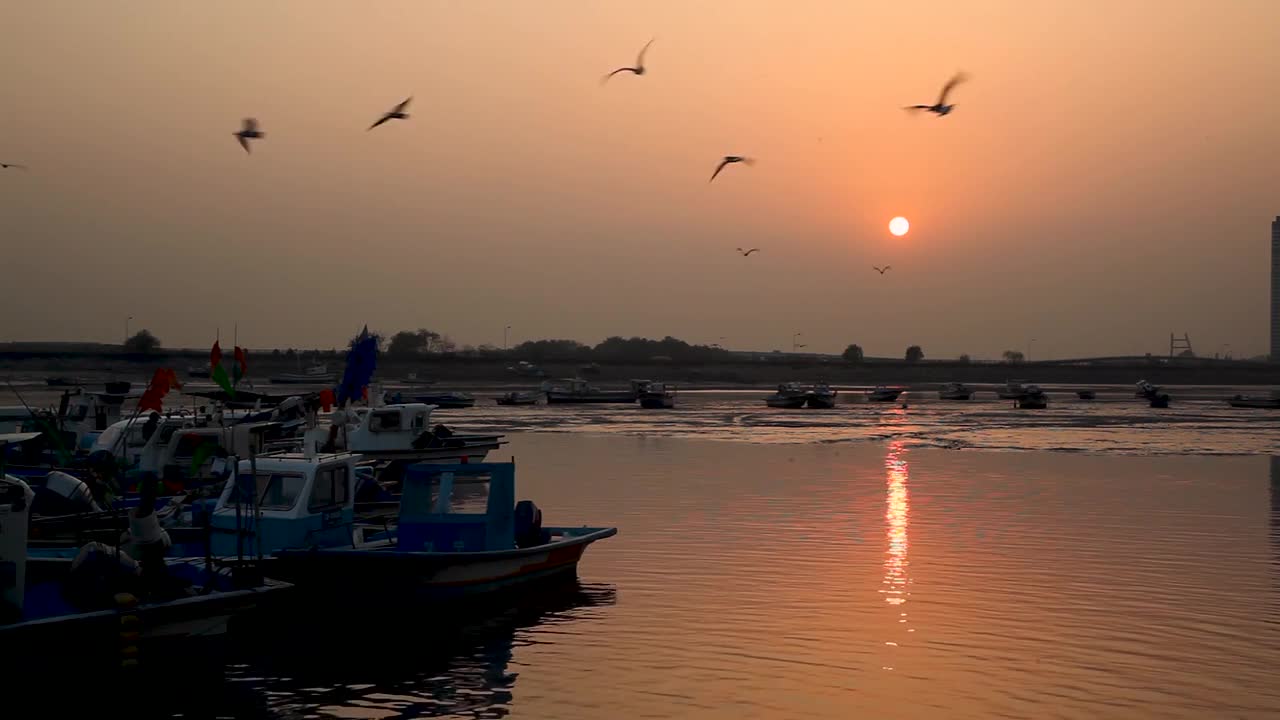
point(15, 510)
point(528, 525)
point(65, 494)
point(98, 573)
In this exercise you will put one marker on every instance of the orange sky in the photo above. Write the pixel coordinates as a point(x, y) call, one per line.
point(1106, 177)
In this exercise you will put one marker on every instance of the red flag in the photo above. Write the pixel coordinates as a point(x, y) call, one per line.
point(215, 356)
point(326, 399)
point(164, 380)
point(242, 365)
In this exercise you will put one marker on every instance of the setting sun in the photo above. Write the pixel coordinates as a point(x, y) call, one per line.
point(899, 226)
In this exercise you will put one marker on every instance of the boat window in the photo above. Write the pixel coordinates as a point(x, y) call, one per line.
point(331, 488)
point(385, 421)
point(278, 491)
point(419, 421)
point(136, 438)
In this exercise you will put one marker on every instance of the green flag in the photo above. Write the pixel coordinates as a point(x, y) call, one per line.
point(216, 373)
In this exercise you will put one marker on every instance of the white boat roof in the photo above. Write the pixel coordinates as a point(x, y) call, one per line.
point(282, 460)
point(6, 438)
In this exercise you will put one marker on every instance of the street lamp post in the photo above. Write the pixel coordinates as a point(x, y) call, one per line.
point(505, 330)
point(795, 341)
point(1030, 344)
point(126, 327)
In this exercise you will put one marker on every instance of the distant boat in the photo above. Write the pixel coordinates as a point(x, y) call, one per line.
point(118, 387)
point(658, 396)
point(1260, 403)
point(197, 372)
point(447, 400)
point(576, 390)
point(1160, 401)
point(822, 397)
point(880, 393)
point(1153, 394)
point(1086, 394)
point(63, 381)
point(314, 375)
point(413, 379)
point(1032, 398)
point(955, 391)
point(520, 397)
point(1012, 390)
point(789, 396)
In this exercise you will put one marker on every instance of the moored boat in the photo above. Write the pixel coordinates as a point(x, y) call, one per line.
point(955, 391)
point(447, 400)
point(520, 397)
point(314, 375)
point(1260, 403)
point(821, 397)
point(577, 390)
point(1012, 390)
point(658, 396)
point(63, 381)
point(789, 396)
point(1032, 398)
point(459, 531)
point(881, 393)
point(1086, 394)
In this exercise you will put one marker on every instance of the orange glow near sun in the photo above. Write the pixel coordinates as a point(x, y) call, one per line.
point(899, 226)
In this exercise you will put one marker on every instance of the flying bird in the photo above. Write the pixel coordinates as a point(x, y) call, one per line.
point(396, 113)
point(745, 253)
point(941, 107)
point(637, 70)
point(729, 160)
point(249, 132)
point(6, 166)
point(880, 270)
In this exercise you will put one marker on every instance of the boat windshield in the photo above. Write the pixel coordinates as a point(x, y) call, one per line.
point(276, 491)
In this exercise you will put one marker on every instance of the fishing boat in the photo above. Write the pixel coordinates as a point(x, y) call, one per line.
point(1032, 398)
point(880, 393)
point(447, 400)
point(658, 396)
point(459, 532)
point(398, 432)
point(314, 375)
point(63, 381)
point(106, 604)
point(955, 391)
point(199, 372)
point(1012, 390)
point(789, 396)
point(1153, 394)
point(579, 391)
point(821, 397)
point(1086, 394)
point(520, 397)
point(1271, 402)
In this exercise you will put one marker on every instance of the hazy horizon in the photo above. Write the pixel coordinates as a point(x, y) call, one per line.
point(1102, 182)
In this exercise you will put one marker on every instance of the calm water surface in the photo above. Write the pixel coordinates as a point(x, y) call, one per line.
point(863, 579)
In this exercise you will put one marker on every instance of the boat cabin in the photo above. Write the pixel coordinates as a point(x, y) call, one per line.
point(303, 501)
point(390, 427)
point(168, 444)
point(458, 508)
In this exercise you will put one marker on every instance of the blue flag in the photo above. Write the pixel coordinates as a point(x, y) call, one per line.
point(362, 360)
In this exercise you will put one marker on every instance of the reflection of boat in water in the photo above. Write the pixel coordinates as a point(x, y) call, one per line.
point(461, 660)
point(955, 391)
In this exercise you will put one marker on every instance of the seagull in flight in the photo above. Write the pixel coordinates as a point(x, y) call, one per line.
point(729, 160)
point(879, 269)
point(396, 113)
point(249, 132)
point(6, 166)
point(941, 107)
point(745, 253)
point(637, 70)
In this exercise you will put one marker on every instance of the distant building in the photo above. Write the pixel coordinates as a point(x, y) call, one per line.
point(1275, 290)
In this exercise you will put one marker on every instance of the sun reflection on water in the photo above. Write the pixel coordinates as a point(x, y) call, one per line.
point(897, 515)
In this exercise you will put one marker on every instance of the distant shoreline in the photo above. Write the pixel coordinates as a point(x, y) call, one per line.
point(493, 372)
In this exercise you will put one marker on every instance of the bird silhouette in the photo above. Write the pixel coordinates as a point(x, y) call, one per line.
point(880, 270)
point(729, 160)
point(941, 107)
point(6, 166)
point(396, 113)
point(748, 252)
point(249, 132)
point(637, 70)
